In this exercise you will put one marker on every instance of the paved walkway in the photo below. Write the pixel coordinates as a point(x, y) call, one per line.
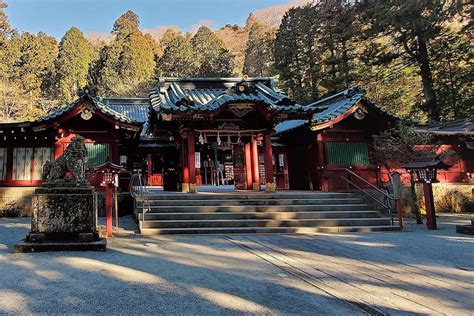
point(416, 271)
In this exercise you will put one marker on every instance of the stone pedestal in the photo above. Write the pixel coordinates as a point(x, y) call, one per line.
point(466, 229)
point(63, 218)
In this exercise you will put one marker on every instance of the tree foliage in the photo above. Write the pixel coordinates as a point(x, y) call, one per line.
point(213, 59)
point(259, 51)
point(178, 59)
point(128, 62)
point(412, 57)
point(72, 65)
point(396, 50)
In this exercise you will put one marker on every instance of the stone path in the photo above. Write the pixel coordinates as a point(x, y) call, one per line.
point(416, 271)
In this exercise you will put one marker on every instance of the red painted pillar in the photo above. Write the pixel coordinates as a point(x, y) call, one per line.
point(255, 166)
point(108, 209)
point(149, 169)
point(429, 206)
point(248, 166)
point(268, 157)
point(322, 184)
point(185, 168)
point(191, 162)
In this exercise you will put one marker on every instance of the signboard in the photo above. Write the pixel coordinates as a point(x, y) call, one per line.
point(197, 159)
point(281, 160)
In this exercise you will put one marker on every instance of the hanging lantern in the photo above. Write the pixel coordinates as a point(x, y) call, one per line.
point(201, 138)
point(239, 141)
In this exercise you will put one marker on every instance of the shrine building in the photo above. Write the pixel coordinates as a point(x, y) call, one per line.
point(242, 133)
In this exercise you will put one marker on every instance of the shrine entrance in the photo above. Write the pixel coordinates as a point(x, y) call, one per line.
point(231, 159)
point(223, 129)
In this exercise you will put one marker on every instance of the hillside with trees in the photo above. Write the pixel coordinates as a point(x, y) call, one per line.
point(412, 57)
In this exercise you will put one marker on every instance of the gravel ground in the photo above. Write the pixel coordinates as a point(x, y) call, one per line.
point(238, 274)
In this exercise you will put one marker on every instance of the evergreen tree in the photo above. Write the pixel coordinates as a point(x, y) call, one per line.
point(72, 64)
point(36, 62)
point(412, 25)
point(259, 51)
point(178, 59)
point(9, 46)
point(336, 30)
point(127, 23)
point(168, 36)
point(213, 58)
point(137, 60)
point(128, 62)
point(451, 58)
point(296, 54)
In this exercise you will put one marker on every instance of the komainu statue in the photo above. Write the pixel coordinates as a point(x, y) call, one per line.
point(72, 160)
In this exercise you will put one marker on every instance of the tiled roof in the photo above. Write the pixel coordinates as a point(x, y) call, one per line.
point(192, 95)
point(136, 109)
point(458, 127)
point(115, 110)
point(289, 125)
point(97, 103)
point(341, 102)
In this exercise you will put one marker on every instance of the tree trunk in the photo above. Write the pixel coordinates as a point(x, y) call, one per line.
point(415, 207)
point(427, 80)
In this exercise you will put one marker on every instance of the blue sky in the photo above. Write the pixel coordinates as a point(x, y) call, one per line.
point(56, 16)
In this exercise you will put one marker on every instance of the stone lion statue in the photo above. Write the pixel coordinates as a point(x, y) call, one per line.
point(72, 160)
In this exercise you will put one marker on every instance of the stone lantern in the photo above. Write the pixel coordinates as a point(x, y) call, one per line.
point(109, 180)
point(425, 171)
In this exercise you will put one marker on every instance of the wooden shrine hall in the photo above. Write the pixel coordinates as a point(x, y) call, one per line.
point(239, 132)
point(188, 132)
point(234, 115)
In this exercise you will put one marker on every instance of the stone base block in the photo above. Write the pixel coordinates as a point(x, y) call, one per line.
point(28, 246)
point(192, 188)
point(465, 229)
point(185, 187)
point(270, 187)
point(256, 186)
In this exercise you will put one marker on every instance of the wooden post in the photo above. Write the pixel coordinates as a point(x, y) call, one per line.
point(191, 162)
point(255, 166)
point(248, 166)
point(214, 174)
point(321, 162)
point(185, 168)
point(108, 209)
point(397, 193)
point(268, 159)
point(398, 206)
point(149, 163)
point(429, 206)
point(116, 208)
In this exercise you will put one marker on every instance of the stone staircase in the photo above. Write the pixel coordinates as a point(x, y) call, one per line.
point(255, 212)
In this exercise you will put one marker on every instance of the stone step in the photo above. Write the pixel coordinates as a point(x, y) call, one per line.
point(270, 230)
point(266, 223)
point(248, 196)
point(333, 201)
point(259, 215)
point(257, 208)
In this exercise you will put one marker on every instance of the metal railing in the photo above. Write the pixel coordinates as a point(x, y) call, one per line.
point(138, 189)
point(386, 197)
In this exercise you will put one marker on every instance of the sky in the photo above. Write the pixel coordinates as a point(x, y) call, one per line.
point(55, 17)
